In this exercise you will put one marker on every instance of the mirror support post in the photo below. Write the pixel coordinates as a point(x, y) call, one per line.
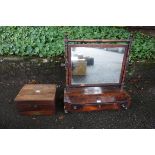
point(66, 59)
point(127, 58)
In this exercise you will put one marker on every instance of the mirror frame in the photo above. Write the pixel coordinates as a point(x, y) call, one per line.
point(99, 44)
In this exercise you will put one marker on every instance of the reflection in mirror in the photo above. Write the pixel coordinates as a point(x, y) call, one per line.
point(92, 65)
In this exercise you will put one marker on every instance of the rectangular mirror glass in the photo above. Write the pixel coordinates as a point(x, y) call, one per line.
point(96, 65)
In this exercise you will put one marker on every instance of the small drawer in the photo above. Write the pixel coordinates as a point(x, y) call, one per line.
point(35, 106)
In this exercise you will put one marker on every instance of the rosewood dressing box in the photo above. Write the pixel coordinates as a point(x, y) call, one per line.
point(95, 74)
point(36, 99)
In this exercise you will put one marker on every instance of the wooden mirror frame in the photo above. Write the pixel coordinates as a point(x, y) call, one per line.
point(95, 43)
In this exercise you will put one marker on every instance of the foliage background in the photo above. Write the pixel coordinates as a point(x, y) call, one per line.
point(49, 41)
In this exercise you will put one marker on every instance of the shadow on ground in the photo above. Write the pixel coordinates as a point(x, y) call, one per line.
point(14, 73)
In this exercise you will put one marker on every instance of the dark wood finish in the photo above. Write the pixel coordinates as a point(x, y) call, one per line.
point(36, 99)
point(77, 100)
point(125, 63)
point(84, 97)
point(99, 40)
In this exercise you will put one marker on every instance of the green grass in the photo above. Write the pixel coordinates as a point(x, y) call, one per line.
point(49, 41)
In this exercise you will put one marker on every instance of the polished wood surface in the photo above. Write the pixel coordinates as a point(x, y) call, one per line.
point(37, 92)
point(36, 99)
point(36, 113)
point(81, 99)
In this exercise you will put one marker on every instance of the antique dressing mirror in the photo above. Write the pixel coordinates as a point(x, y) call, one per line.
point(95, 72)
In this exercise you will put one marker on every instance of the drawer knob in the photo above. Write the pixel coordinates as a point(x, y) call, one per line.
point(35, 106)
point(74, 107)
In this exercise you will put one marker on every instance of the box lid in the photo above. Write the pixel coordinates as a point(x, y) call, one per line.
point(37, 92)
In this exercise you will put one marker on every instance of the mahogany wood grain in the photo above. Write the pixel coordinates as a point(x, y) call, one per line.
point(37, 113)
point(75, 100)
point(36, 99)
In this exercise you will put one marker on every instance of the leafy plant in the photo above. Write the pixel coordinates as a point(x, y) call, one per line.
point(143, 47)
point(49, 41)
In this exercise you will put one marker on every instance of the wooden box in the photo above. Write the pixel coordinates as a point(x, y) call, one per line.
point(102, 87)
point(36, 99)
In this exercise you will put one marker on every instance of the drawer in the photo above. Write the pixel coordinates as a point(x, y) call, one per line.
point(35, 106)
point(91, 107)
point(36, 113)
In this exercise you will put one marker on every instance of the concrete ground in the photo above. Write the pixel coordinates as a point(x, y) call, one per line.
point(14, 73)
